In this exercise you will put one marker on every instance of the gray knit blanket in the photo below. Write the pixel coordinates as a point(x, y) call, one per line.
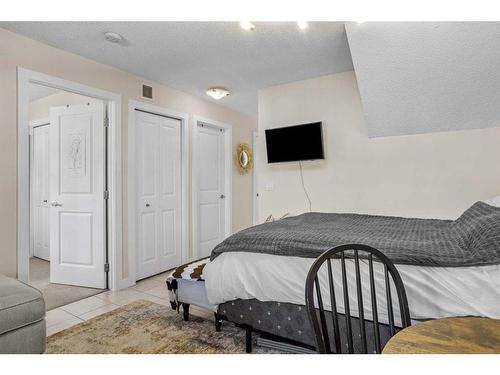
point(471, 240)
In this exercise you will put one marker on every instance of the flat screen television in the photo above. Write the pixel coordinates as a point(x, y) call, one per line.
point(294, 143)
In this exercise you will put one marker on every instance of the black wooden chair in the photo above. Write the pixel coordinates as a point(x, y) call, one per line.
point(322, 321)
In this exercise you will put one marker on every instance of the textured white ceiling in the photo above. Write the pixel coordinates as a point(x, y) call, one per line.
point(420, 77)
point(193, 56)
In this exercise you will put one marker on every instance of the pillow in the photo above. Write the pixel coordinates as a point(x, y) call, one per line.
point(478, 231)
point(495, 202)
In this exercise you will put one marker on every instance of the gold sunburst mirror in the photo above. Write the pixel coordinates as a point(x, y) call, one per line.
point(243, 158)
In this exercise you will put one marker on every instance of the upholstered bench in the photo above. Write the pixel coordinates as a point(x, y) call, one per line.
point(22, 318)
point(186, 287)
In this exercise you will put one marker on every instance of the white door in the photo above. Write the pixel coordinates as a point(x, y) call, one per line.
point(211, 189)
point(40, 192)
point(159, 197)
point(77, 222)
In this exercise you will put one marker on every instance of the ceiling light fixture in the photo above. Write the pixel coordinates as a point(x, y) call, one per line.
point(113, 37)
point(302, 25)
point(247, 25)
point(217, 92)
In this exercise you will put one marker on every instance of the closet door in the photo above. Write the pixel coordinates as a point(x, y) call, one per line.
point(158, 184)
point(211, 194)
point(40, 192)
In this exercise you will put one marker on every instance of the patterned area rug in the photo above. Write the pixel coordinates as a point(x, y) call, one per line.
point(144, 327)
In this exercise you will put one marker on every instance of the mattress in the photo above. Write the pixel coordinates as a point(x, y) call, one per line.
point(433, 292)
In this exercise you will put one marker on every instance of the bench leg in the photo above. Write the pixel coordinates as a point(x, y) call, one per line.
point(185, 311)
point(248, 339)
point(218, 322)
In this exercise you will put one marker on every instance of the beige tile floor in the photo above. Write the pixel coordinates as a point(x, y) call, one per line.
point(151, 289)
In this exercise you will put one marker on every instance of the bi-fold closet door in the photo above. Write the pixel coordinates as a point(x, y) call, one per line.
point(158, 187)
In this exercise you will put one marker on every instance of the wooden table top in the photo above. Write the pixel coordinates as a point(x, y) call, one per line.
point(447, 336)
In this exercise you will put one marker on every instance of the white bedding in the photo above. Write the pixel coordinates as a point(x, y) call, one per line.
point(433, 292)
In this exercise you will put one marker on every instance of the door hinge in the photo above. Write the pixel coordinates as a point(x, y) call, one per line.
point(106, 267)
point(106, 194)
point(106, 122)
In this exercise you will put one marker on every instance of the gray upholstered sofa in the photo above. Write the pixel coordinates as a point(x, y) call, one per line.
point(22, 318)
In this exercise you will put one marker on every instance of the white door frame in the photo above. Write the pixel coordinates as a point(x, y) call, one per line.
point(228, 176)
point(131, 179)
point(255, 180)
point(33, 124)
point(26, 77)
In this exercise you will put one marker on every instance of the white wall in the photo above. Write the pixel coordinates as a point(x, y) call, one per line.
point(421, 77)
point(430, 175)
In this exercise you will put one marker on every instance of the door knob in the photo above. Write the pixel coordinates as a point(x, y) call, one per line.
point(55, 204)
point(222, 196)
point(45, 201)
point(148, 205)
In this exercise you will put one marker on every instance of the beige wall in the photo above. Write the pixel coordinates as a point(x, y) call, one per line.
point(429, 175)
point(17, 51)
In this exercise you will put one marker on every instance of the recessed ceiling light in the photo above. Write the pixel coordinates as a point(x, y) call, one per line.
point(360, 22)
point(302, 25)
point(247, 25)
point(217, 92)
point(113, 37)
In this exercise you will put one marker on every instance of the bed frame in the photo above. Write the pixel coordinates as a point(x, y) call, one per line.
point(258, 317)
point(283, 326)
point(289, 324)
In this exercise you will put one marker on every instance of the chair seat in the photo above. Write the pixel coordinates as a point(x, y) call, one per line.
point(20, 305)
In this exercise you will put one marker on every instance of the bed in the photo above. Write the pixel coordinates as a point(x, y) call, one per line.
point(449, 268)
